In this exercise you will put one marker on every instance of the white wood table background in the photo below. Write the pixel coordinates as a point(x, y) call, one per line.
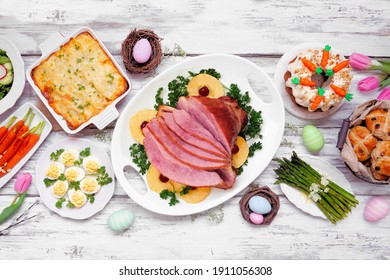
point(259, 30)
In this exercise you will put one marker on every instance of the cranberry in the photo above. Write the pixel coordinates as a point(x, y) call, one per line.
point(204, 91)
point(163, 178)
point(235, 149)
point(144, 124)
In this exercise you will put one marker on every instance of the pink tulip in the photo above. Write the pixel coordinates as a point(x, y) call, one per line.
point(368, 83)
point(359, 61)
point(23, 182)
point(385, 94)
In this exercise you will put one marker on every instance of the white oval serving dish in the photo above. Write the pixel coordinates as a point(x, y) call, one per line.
point(233, 69)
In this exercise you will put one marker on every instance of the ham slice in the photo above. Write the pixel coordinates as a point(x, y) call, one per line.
point(189, 148)
point(179, 153)
point(220, 118)
point(191, 131)
point(173, 169)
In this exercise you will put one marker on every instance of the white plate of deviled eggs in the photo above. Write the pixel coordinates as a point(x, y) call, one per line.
point(75, 178)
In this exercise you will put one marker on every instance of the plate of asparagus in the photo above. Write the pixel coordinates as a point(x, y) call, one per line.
point(315, 187)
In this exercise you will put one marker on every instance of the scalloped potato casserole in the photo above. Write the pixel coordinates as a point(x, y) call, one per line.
point(79, 80)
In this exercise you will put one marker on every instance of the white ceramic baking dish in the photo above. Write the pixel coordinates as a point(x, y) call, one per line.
point(53, 44)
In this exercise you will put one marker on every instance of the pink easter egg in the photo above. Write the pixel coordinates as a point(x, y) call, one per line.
point(142, 51)
point(376, 209)
point(255, 218)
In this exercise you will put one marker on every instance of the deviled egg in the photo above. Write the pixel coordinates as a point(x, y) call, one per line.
point(77, 198)
point(60, 188)
point(68, 157)
point(54, 170)
point(74, 173)
point(91, 165)
point(89, 185)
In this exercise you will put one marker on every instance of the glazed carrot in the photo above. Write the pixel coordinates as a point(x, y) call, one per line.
point(325, 56)
point(340, 66)
point(309, 64)
point(7, 140)
point(25, 126)
point(317, 99)
point(340, 92)
point(4, 129)
point(14, 147)
point(29, 142)
point(307, 82)
point(20, 123)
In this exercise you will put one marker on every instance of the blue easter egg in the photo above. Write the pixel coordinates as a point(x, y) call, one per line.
point(259, 205)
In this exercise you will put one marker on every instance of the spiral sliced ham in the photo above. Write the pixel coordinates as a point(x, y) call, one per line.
point(192, 144)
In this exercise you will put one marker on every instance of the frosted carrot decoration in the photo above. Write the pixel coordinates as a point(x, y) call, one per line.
point(303, 82)
point(340, 66)
point(342, 93)
point(325, 56)
point(310, 65)
point(318, 99)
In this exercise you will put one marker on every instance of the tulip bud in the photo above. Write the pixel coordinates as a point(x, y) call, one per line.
point(23, 182)
point(369, 83)
point(385, 94)
point(359, 61)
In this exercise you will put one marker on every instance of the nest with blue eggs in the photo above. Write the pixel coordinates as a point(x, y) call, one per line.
point(266, 193)
point(128, 44)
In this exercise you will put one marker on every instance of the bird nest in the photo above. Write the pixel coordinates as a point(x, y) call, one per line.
point(269, 195)
point(127, 51)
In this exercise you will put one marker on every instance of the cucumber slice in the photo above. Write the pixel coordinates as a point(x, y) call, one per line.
point(8, 66)
point(7, 79)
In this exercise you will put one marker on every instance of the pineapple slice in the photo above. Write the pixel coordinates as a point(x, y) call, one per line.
point(240, 152)
point(195, 195)
point(158, 182)
point(205, 85)
point(138, 121)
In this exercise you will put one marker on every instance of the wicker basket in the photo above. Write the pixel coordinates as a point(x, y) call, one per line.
point(360, 170)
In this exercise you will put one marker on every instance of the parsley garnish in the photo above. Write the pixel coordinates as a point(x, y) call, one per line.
point(59, 202)
point(81, 87)
point(79, 60)
point(255, 119)
point(91, 198)
point(177, 88)
point(74, 185)
point(70, 204)
point(254, 147)
point(48, 182)
point(166, 193)
point(83, 154)
point(103, 178)
point(185, 190)
point(158, 98)
point(77, 47)
point(54, 156)
point(210, 71)
point(138, 153)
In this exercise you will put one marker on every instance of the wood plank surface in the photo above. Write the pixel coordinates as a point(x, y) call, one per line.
point(260, 31)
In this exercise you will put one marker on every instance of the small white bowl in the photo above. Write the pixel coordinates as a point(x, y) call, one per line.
point(19, 77)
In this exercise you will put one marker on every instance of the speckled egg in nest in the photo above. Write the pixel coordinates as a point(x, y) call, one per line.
point(128, 44)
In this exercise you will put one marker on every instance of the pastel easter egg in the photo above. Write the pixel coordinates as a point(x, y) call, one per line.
point(255, 218)
point(120, 220)
point(313, 140)
point(259, 205)
point(142, 51)
point(376, 209)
